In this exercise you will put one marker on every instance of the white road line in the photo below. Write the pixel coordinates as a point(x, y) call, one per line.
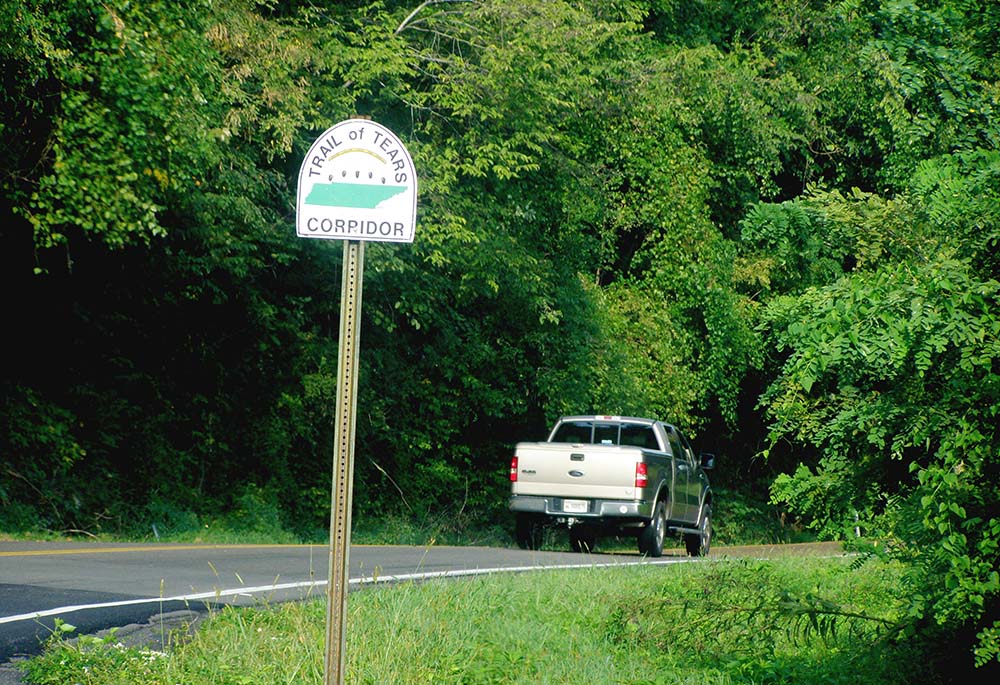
point(215, 594)
point(368, 580)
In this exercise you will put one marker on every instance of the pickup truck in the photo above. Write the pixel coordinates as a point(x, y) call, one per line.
point(604, 476)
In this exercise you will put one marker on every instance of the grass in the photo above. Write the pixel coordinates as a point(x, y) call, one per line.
point(717, 621)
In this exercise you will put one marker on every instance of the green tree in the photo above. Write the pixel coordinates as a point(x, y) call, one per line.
point(147, 224)
point(891, 380)
point(888, 374)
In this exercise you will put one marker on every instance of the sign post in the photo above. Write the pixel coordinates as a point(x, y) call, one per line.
point(356, 183)
point(343, 464)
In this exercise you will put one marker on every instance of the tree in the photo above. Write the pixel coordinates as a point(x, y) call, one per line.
point(888, 375)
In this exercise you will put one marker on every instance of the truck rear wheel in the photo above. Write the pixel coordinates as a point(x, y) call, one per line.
point(651, 537)
point(528, 531)
point(698, 544)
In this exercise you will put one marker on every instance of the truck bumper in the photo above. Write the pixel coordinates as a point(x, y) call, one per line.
point(597, 509)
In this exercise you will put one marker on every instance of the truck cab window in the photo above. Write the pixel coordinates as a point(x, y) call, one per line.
point(638, 435)
point(573, 432)
point(589, 432)
point(606, 433)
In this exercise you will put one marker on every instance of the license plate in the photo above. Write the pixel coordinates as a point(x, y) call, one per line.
point(575, 506)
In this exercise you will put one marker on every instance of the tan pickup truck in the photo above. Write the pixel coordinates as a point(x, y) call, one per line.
point(604, 476)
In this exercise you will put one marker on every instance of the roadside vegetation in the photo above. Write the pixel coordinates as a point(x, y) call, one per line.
point(774, 223)
point(719, 621)
point(741, 519)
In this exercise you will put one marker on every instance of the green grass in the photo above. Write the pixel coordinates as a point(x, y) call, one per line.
point(718, 621)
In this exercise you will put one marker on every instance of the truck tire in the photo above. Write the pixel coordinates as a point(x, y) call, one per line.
point(528, 531)
point(698, 544)
point(582, 540)
point(651, 537)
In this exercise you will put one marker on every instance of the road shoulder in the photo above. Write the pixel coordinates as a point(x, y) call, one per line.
point(159, 633)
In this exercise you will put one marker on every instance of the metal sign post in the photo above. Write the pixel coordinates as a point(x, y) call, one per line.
point(356, 183)
point(343, 460)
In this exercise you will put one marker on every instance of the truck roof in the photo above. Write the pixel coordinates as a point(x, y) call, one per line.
point(603, 417)
point(669, 428)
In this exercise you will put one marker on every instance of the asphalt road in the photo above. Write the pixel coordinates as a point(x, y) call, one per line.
point(94, 586)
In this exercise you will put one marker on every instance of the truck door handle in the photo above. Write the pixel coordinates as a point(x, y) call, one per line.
point(575, 457)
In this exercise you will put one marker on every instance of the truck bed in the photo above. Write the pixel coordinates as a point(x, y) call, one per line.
point(592, 471)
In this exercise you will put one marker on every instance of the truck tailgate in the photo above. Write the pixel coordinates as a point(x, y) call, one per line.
point(584, 471)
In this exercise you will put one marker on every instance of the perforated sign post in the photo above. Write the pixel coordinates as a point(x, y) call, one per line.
point(357, 183)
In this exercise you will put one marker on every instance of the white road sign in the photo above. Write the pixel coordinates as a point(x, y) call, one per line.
point(357, 182)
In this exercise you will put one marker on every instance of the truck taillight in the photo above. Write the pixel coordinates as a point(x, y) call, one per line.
point(513, 470)
point(641, 475)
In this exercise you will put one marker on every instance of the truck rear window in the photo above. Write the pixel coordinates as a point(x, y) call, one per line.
point(604, 433)
point(579, 432)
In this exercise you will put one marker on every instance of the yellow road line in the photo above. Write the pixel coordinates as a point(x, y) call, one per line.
point(151, 548)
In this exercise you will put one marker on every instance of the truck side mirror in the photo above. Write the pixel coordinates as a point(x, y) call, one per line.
point(707, 460)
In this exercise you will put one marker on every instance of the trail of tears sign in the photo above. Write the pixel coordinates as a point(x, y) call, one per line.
point(356, 183)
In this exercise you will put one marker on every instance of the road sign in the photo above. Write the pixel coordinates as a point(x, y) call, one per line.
point(357, 182)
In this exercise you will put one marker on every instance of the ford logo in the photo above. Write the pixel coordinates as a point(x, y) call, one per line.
point(575, 473)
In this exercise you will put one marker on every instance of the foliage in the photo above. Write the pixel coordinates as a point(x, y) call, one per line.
point(552, 230)
point(38, 461)
point(93, 657)
point(748, 619)
point(801, 620)
point(935, 101)
point(123, 133)
point(745, 516)
point(889, 374)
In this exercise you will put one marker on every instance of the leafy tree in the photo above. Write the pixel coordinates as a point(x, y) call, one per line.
point(156, 231)
point(899, 83)
point(891, 381)
point(888, 374)
point(881, 310)
point(568, 257)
